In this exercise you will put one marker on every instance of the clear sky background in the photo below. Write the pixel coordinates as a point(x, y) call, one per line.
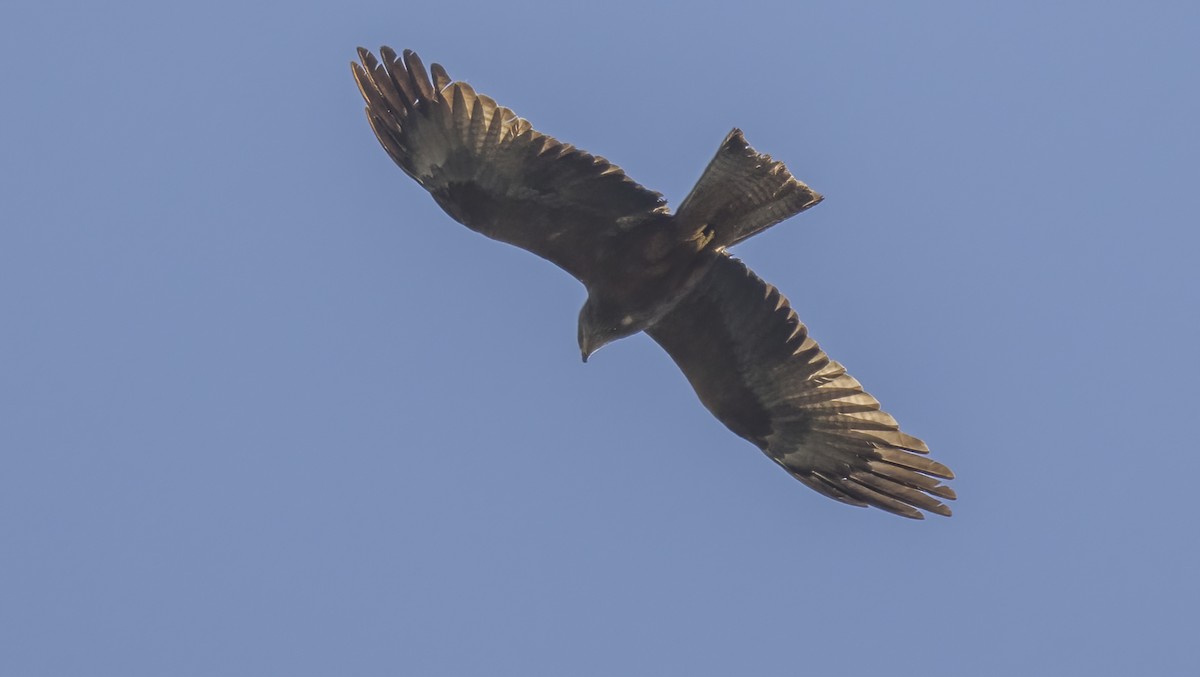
point(266, 410)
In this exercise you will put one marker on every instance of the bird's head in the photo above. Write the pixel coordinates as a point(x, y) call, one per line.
point(602, 323)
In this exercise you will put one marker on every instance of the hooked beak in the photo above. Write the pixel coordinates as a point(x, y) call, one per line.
point(585, 348)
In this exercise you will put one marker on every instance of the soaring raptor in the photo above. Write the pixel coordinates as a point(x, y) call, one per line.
point(740, 344)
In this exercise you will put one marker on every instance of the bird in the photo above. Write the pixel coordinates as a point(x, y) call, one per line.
point(736, 338)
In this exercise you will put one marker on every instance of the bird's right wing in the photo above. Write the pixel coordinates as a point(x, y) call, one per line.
point(491, 171)
point(752, 363)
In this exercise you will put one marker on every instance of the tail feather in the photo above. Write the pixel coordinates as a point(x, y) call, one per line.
point(743, 192)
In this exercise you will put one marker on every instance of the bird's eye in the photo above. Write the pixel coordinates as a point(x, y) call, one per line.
point(626, 321)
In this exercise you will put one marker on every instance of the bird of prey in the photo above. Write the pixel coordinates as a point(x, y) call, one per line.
point(736, 338)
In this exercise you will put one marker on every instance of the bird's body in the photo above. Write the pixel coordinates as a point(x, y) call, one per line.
point(741, 346)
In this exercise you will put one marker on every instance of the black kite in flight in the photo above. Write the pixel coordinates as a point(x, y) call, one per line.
point(735, 337)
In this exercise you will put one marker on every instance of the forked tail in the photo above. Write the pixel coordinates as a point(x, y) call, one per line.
point(742, 193)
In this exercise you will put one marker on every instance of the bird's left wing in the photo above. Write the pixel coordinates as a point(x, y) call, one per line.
point(752, 363)
point(492, 172)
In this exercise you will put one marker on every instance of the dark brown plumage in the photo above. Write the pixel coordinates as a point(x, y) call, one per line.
point(741, 346)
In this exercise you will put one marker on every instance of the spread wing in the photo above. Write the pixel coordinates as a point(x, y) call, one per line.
point(754, 366)
point(492, 172)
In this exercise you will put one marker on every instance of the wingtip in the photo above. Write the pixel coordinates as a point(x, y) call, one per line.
point(942, 510)
point(939, 470)
point(943, 491)
point(441, 79)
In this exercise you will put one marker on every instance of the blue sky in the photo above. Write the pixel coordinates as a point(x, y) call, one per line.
point(267, 410)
